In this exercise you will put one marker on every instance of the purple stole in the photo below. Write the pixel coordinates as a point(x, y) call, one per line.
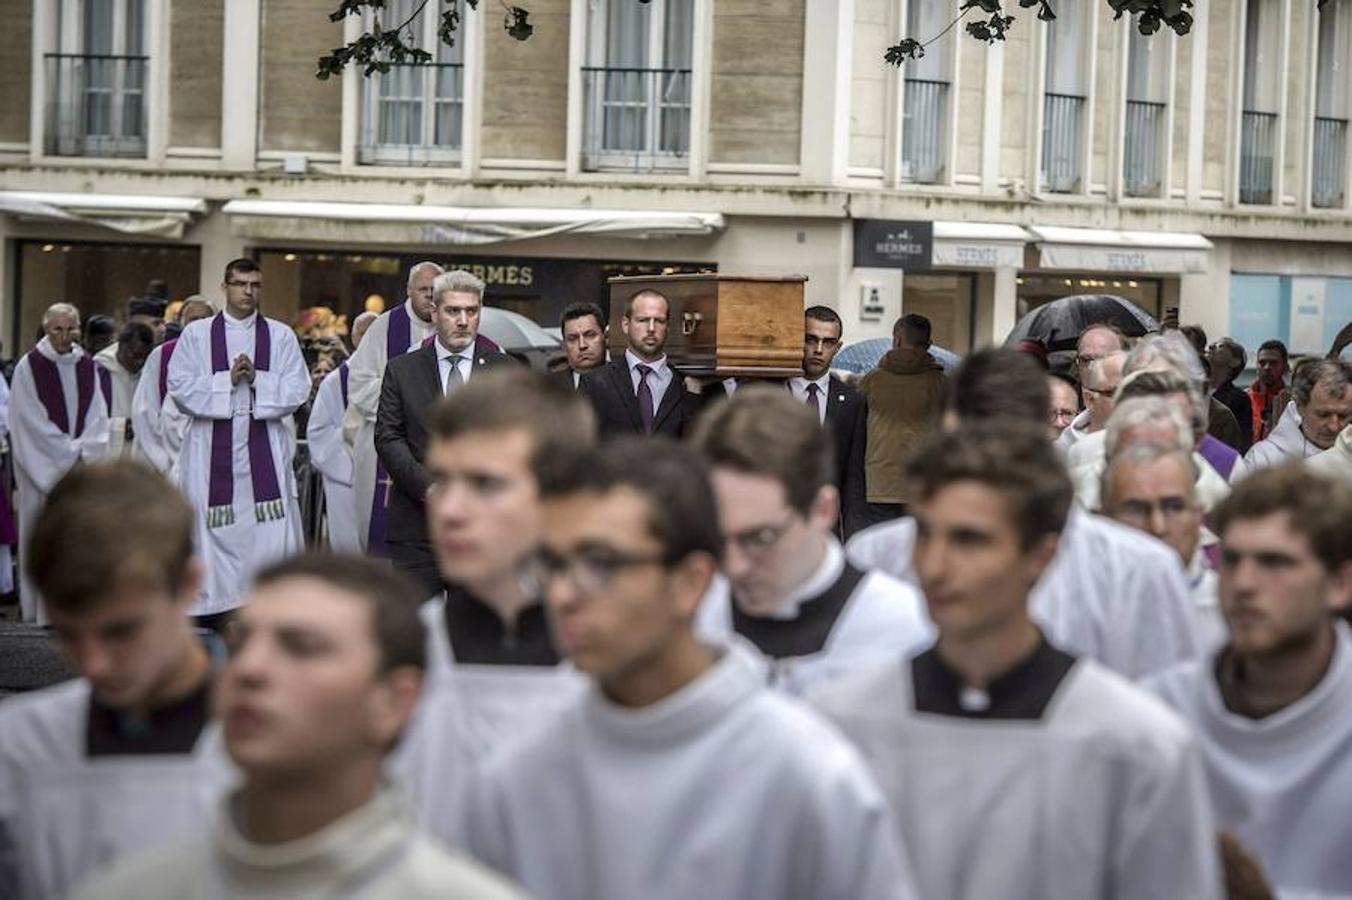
point(166, 354)
point(1221, 456)
point(267, 493)
point(342, 382)
point(47, 381)
point(106, 385)
point(397, 338)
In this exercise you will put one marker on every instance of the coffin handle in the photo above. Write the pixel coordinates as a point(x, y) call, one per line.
point(689, 322)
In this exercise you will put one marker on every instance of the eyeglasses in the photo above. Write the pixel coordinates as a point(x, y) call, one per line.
point(245, 285)
point(1084, 359)
point(759, 540)
point(590, 572)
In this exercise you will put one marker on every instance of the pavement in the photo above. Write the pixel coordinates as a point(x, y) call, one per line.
point(29, 658)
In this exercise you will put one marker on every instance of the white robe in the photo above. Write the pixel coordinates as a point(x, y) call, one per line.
point(1335, 462)
point(70, 814)
point(1280, 783)
point(724, 789)
point(124, 390)
point(234, 552)
point(43, 453)
point(157, 420)
point(1111, 593)
point(1085, 462)
point(1103, 796)
point(883, 617)
point(366, 370)
point(372, 853)
point(1286, 443)
point(6, 554)
point(333, 459)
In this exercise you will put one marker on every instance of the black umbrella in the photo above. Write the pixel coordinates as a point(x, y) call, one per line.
point(1060, 323)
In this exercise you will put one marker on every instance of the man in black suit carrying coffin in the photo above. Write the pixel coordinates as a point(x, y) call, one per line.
point(640, 393)
point(839, 407)
point(583, 327)
point(412, 385)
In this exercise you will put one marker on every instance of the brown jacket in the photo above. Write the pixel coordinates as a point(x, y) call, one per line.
point(905, 401)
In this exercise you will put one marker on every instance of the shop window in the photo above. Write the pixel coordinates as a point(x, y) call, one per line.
point(96, 80)
point(948, 301)
point(1035, 290)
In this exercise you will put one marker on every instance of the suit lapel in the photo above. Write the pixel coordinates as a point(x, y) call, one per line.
point(670, 400)
point(431, 369)
point(624, 386)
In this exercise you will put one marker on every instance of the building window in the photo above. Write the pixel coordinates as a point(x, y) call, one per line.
point(96, 81)
point(1144, 137)
point(1064, 100)
point(413, 115)
point(1258, 132)
point(1333, 72)
point(925, 97)
point(636, 86)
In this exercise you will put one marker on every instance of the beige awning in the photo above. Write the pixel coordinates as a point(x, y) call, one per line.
point(1104, 250)
point(142, 214)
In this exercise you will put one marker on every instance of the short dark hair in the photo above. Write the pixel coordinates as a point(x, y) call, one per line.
point(646, 292)
point(105, 524)
point(99, 324)
point(762, 430)
point(1313, 372)
point(241, 266)
point(580, 310)
point(915, 328)
point(1196, 336)
point(1274, 344)
point(392, 597)
point(825, 314)
point(137, 333)
point(1000, 384)
point(557, 419)
point(1015, 459)
point(1319, 507)
point(672, 480)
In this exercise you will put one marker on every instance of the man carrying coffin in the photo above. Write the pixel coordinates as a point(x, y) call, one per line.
point(58, 416)
point(239, 376)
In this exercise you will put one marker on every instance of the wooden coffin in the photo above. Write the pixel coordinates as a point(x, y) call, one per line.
point(723, 325)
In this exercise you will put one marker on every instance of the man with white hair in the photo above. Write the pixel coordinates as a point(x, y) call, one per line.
point(1101, 378)
point(1320, 408)
point(330, 453)
point(58, 417)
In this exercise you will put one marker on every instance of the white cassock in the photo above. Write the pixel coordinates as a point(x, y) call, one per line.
point(1085, 462)
point(156, 419)
point(1096, 791)
point(124, 385)
point(839, 620)
point(366, 370)
point(251, 538)
point(43, 452)
point(723, 789)
point(1280, 783)
point(68, 809)
point(333, 458)
point(6, 554)
point(1112, 593)
point(371, 853)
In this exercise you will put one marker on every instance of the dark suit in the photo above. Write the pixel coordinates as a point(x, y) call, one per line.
point(412, 385)
point(847, 418)
point(611, 391)
point(563, 378)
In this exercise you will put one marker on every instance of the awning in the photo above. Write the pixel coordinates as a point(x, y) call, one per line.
point(979, 245)
point(1103, 250)
point(144, 214)
point(470, 225)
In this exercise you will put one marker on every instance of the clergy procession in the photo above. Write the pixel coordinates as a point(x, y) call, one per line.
point(642, 626)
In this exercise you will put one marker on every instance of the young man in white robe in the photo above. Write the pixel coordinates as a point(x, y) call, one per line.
point(124, 362)
point(156, 420)
point(240, 376)
point(1273, 707)
point(58, 416)
point(325, 672)
point(495, 670)
point(330, 454)
point(1014, 769)
point(122, 758)
point(394, 333)
point(786, 586)
point(679, 774)
point(1110, 593)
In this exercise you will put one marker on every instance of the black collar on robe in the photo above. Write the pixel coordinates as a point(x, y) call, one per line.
point(807, 632)
point(478, 636)
point(172, 729)
point(1021, 693)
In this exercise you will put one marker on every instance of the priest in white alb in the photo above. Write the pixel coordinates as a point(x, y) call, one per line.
point(156, 420)
point(240, 376)
point(124, 362)
point(394, 333)
point(58, 416)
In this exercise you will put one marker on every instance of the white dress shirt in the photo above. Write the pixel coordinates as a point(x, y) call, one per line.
point(464, 360)
point(658, 380)
point(798, 387)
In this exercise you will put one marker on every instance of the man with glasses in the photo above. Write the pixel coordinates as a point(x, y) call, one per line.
point(1065, 404)
point(678, 774)
point(1096, 342)
point(787, 587)
point(1098, 384)
point(239, 376)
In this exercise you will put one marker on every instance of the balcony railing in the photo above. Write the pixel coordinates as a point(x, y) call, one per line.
point(1061, 132)
point(1142, 173)
point(413, 115)
point(923, 136)
point(637, 120)
point(96, 105)
point(1328, 185)
point(1257, 146)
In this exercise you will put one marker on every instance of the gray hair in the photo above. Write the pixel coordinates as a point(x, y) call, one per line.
point(1173, 352)
point(419, 266)
point(1137, 412)
point(1334, 374)
point(1144, 455)
point(1162, 383)
point(1095, 371)
point(60, 309)
point(460, 281)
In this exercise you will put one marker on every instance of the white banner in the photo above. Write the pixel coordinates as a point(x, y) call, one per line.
point(1143, 260)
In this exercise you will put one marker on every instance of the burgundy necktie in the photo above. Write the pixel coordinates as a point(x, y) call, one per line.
point(812, 401)
point(645, 398)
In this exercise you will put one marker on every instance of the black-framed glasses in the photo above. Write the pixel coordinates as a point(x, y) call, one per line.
point(589, 570)
point(758, 540)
